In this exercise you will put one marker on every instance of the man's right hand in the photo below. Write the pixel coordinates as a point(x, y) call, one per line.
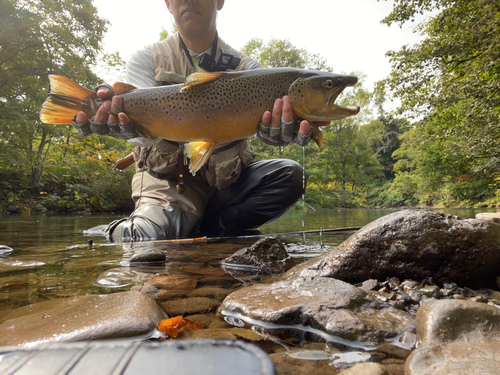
point(104, 123)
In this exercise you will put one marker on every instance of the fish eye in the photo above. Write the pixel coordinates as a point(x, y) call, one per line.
point(328, 83)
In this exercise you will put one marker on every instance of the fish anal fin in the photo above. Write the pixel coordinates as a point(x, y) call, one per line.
point(122, 88)
point(201, 78)
point(198, 152)
point(316, 134)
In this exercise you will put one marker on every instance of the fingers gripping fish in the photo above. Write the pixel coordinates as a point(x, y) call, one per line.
point(209, 108)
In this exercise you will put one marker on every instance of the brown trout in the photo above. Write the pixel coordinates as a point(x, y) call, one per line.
point(209, 108)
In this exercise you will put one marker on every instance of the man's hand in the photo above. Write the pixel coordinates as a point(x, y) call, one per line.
point(103, 122)
point(277, 127)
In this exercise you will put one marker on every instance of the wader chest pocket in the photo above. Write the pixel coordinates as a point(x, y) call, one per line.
point(163, 158)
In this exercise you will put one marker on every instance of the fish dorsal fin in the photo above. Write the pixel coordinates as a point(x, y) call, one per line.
point(200, 78)
point(122, 88)
point(198, 152)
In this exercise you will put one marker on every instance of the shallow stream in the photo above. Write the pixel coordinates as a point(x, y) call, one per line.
point(51, 258)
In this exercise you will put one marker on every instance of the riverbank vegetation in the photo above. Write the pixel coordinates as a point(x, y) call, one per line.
point(439, 148)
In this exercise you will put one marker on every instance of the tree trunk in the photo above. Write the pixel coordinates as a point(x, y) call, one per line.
point(39, 164)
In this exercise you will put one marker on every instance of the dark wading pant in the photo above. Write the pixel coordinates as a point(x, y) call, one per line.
point(264, 191)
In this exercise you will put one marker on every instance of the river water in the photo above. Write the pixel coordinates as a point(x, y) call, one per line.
point(50, 258)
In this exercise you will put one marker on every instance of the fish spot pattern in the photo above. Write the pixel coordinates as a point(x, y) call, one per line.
point(233, 94)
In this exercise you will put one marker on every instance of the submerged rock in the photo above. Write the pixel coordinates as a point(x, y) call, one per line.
point(369, 368)
point(286, 364)
point(148, 257)
point(321, 304)
point(174, 282)
point(266, 256)
point(414, 244)
point(82, 318)
point(456, 337)
point(188, 306)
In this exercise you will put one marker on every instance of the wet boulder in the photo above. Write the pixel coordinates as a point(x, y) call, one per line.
point(266, 256)
point(319, 305)
point(415, 245)
point(456, 337)
point(81, 318)
point(494, 217)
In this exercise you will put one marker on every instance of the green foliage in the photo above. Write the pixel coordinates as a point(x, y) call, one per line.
point(110, 67)
point(454, 71)
point(282, 53)
point(450, 83)
point(40, 163)
point(164, 34)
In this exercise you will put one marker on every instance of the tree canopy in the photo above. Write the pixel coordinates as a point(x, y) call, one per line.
point(282, 53)
point(455, 71)
point(450, 85)
point(38, 38)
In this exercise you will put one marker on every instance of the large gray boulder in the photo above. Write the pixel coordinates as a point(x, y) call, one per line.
point(81, 318)
point(319, 305)
point(415, 245)
point(455, 338)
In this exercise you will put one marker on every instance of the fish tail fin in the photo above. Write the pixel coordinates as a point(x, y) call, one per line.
point(198, 152)
point(316, 135)
point(66, 98)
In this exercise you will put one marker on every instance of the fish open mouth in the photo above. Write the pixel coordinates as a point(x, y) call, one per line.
point(336, 111)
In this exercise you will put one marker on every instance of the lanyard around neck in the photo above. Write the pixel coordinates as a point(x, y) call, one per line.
point(186, 51)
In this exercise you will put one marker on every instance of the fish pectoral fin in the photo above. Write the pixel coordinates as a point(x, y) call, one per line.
point(122, 88)
point(198, 152)
point(201, 78)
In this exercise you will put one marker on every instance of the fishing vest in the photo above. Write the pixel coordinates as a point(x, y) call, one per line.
point(169, 56)
point(224, 167)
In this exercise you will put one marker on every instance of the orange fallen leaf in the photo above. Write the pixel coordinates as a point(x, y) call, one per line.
point(173, 326)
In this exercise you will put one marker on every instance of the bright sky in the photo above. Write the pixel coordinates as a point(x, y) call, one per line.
point(348, 33)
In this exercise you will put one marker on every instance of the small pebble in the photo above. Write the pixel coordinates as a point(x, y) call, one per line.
point(446, 292)
point(430, 291)
point(394, 282)
point(409, 285)
point(478, 299)
point(398, 304)
point(458, 296)
point(449, 285)
point(370, 284)
point(495, 295)
point(414, 295)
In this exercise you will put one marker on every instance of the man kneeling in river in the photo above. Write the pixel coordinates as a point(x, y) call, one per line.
point(231, 192)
